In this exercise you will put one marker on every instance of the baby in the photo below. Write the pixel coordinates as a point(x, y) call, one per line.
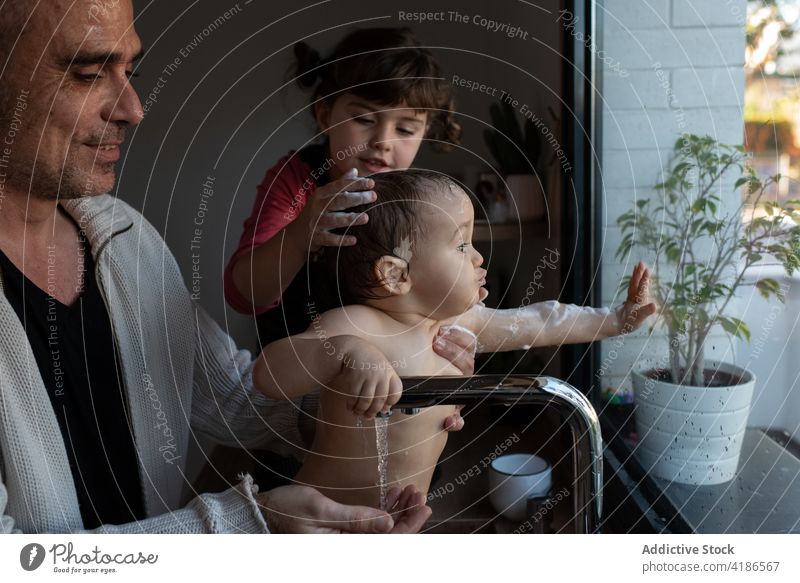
point(413, 271)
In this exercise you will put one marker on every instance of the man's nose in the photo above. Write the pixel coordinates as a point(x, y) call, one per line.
point(124, 106)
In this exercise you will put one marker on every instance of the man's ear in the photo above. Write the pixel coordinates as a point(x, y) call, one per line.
point(393, 274)
point(322, 113)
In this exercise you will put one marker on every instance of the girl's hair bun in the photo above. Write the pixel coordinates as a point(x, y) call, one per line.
point(386, 66)
point(307, 62)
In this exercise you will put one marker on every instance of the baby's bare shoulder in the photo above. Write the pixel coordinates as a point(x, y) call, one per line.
point(357, 320)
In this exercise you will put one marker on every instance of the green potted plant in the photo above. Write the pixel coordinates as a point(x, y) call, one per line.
point(518, 153)
point(691, 413)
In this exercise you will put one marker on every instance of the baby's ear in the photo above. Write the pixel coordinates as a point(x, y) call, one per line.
point(392, 272)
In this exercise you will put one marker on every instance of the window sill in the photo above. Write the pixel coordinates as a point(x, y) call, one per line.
point(764, 497)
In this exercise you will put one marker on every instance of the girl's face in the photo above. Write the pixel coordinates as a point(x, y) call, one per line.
point(370, 137)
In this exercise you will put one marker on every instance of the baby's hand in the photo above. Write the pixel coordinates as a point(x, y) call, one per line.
point(638, 307)
point(367, 379)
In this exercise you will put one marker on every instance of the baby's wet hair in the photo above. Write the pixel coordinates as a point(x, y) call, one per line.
point(395, 228)
point(387, 66)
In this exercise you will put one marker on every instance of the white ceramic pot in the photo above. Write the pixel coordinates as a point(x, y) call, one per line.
point(526, 197)
point(692, 435)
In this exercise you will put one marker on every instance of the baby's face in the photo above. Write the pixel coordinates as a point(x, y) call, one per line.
point(446, 271)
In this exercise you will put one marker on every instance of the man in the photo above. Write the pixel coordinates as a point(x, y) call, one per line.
point(106, 367)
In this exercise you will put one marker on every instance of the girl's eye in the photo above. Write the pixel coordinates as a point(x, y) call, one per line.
point(362, 120)
point(463, 247)
point(405, 131)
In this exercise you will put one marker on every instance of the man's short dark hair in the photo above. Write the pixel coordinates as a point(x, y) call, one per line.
point(13, 14)
point(346, 275)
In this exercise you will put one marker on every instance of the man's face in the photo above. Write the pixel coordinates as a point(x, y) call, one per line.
point(72, 67)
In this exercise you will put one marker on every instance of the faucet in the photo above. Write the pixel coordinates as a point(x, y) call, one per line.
point(419, 392)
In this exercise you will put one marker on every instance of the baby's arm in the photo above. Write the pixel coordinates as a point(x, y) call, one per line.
point(553, 323)
point(330, 355)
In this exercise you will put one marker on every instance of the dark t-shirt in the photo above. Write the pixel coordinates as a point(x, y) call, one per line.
point(302, 300)
point(75, 352)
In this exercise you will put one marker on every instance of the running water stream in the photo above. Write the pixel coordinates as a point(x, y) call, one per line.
point(382, 451)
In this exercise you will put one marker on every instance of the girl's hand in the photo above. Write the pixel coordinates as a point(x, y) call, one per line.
point(367, 379)
point(319, 216)
point(637, 307)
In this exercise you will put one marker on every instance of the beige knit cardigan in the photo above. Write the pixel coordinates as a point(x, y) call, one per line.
point(183, 377)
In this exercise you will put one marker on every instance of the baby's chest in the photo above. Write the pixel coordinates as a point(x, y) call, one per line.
point(409, 359)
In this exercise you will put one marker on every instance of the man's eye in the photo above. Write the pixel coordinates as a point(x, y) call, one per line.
point(131, 75)
point(87, 76)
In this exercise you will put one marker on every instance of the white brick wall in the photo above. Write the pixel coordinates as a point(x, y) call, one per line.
point(703, 46)
point(681, 64)
point(637, 129)
point(711, 13)
point(639, 15)
point(642, 89)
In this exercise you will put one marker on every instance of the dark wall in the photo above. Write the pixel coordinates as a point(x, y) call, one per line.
point(223, 115)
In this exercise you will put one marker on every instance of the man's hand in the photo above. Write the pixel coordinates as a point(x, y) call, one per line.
point(454, 422)
point(458, 345)
point(408, 509)
point(637, 307)
point(303, 510)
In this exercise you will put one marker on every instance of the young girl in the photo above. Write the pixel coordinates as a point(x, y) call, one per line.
point(414, 271)
point(375, 99)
